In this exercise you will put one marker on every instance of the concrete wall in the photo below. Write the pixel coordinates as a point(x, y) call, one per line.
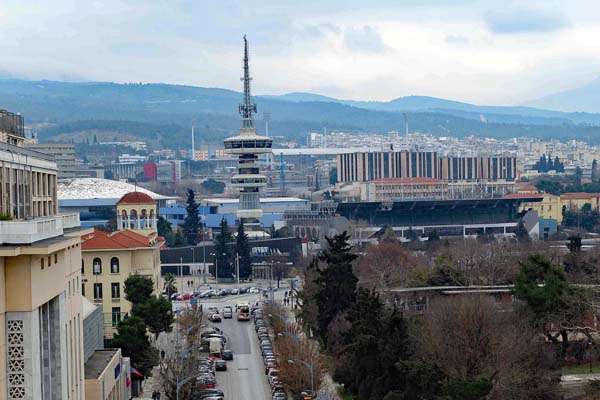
point(93, 333)
point(107, 386)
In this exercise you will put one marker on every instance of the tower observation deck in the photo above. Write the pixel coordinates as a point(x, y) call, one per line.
point(248, 146)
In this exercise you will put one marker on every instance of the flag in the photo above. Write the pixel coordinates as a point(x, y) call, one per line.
point(135, 372)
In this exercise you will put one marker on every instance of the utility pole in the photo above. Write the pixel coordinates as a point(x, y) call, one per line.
point(237, 271)
point(193, 155)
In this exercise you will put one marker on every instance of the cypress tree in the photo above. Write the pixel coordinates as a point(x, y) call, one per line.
point(192, 221)
point(336, 280)
point(222, 254)
point(242, 248)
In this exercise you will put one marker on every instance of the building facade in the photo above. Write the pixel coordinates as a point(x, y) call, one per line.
point(108, 259)
point(64, 156)
point(41, 344)
point(368, 166)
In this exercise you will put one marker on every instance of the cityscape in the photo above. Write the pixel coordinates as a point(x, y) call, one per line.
point(267, 219)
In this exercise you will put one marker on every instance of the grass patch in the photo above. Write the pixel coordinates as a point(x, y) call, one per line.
point(581, 369)
point(343, 394)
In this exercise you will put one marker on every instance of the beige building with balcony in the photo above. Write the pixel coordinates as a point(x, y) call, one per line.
point(110, 258)
point(41, 340)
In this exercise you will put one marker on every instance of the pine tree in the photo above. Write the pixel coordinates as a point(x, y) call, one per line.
point(242, 248)
point(558, 165)
point(192, 221)
point(222, 253)
point(337, 281)
point(521, 232)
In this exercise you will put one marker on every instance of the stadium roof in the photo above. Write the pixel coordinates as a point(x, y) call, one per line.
point(96, 188)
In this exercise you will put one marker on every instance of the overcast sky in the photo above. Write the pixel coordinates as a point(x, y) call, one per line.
point(492, 52)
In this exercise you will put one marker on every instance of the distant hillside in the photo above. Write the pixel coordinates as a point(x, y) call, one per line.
point(585, 98)
point(162, 114)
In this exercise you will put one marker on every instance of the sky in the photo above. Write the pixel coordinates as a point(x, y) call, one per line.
point(485, 52)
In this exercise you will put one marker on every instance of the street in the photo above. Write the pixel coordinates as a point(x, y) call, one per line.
point(245, 378)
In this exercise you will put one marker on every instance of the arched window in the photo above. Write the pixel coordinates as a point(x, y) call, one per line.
point(97, 266)
point(114, 265)
point(151, 221)
point(124, 219)
point(82, 267)
point(144, 222)
point(133, 219)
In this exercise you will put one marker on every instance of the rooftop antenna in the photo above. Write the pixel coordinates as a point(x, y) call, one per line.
point(247, 109)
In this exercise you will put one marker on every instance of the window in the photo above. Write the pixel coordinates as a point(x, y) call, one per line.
point(114, 265)
point(82, 267)
point(83, 289)
point(97, 266)
point(115, 290)
point(97, 291)
point(116, 315)
point(55, 258)
point(42, 262)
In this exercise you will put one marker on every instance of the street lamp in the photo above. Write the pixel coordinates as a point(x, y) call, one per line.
point(310, 368)
point(217, 269)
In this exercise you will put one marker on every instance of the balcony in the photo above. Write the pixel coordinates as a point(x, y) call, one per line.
point(29, 231)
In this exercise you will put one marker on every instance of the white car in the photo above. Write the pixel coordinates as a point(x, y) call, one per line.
point(254, 290)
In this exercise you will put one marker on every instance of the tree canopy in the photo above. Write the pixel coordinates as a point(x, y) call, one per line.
point(192, 221)
point(242, 248)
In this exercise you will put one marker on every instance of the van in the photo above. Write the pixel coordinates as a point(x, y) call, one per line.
point(215, 348)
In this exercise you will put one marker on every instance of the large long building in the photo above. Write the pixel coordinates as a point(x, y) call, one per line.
point(367, 166)
point(41, 337)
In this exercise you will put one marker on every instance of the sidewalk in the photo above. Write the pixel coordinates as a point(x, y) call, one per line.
point(151, 384)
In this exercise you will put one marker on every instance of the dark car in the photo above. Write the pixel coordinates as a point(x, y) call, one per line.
point(208, 392)
point(221, 365)
point(227, 355)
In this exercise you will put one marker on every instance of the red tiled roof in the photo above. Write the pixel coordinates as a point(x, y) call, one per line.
point(118, 240)
point(523, 196)
point(136, 198)
point(579, 196)
point(408, 180)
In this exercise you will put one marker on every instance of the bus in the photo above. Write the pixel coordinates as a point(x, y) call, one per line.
point(243, 312)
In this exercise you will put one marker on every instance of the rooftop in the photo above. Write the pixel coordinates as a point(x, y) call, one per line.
point(94, 367)
point(95, 188)
point(100, 240)
point(579, 196)
point(136, 198)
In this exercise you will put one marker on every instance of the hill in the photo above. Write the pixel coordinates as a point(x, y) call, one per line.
point(585, 98)
point(162, 114)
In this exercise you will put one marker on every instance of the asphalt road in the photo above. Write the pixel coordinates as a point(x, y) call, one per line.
point(245, 377)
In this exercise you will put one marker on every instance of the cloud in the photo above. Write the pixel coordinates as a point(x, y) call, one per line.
point(365, 38)
point(524, 21)
point(455, 39)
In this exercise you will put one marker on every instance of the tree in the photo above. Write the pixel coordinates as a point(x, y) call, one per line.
point(242, 248)
point(385, 265)
point(138, 288)
point(170, 284)
point(578, 176)
point(556, 307)
point(521, 232)
point(163, 227)
point(157, 313)
point(131, 338)
point(574, 244)
point(433, 236)
point(482, 353)
point(222, 253)
point(336, 280)
point(179, 239)
point(192, 222)
point(212, 186)
point(558, 165)
point(309, 312)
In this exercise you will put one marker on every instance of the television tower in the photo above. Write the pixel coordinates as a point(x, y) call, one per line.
point(248, 146)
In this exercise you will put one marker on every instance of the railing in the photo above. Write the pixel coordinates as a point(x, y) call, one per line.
point(30, 231)
point(70, 220)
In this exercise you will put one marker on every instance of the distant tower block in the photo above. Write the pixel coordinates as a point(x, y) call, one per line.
point(248, 146)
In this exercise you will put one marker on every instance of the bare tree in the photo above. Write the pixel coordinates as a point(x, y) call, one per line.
point(385, 265)
point(474, 342)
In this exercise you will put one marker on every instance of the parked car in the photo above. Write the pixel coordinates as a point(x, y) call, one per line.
point(184, 297)
point(208, 293)
point(221, 365)
point(214, 317)
point(254, 290)
point(227, 355)
point(243, 290)
point(227, 312)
